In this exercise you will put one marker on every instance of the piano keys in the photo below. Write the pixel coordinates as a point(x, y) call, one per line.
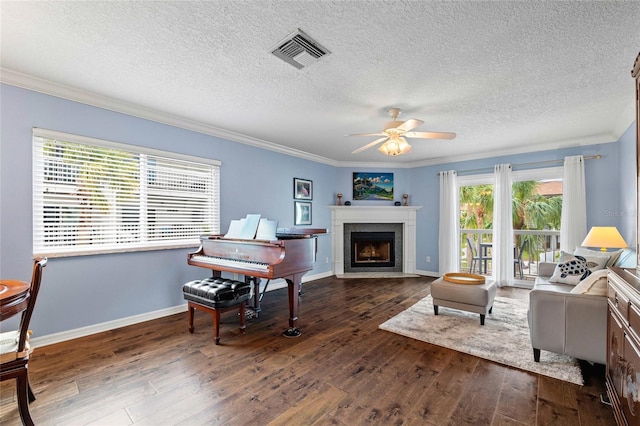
point(289, 257)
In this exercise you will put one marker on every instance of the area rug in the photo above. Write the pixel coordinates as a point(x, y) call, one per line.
point(503, 339)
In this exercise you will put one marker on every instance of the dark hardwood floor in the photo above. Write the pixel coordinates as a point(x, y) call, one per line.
point(343, 370)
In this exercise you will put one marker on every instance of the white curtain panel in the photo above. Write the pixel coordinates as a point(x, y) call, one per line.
point(573, 223)
point(502, 249)
point(449, 242)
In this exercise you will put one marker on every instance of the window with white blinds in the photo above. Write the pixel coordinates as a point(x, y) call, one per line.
point(92, 196)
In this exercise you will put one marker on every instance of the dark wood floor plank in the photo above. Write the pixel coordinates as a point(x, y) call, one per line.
point(343, 370)
point(518, 397)
point(311, 409)
point(502, 420)
point(440, 399)
point(562, 393)
point(553, 413)
point(593, 412)
point(477, 405)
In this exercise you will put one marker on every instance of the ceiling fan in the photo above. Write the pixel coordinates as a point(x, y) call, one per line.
point(395, 132)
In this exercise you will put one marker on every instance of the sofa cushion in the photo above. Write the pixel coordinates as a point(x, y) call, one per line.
point(543, 284)
point(611, 255)
point(571, 269)
point(596, 284)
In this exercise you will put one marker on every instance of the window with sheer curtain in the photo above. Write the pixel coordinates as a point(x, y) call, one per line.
point(92, 196)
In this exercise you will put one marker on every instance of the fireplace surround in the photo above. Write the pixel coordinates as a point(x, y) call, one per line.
point(404, 217)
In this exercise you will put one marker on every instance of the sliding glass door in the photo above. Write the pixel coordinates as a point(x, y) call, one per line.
point(537, 209)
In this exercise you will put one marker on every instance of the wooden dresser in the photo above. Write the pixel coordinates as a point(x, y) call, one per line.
point(623, 345)
point(623, 319)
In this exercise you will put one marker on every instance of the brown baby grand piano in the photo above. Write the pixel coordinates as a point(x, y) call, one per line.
point(289, 257)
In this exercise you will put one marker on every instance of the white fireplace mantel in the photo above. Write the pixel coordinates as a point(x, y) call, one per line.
point(406, 215)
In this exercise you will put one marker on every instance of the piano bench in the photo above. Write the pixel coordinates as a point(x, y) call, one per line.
point(216, 295)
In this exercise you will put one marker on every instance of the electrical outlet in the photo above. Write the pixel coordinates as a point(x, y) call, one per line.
point(428, 259)
point(326, 259)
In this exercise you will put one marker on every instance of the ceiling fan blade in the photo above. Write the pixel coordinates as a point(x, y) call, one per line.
point(367, 134)
point(369, 145)
point(431, 135)
point(410, 124)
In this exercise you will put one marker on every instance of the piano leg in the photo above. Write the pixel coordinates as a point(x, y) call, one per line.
point(255, 304)
point(293, 285)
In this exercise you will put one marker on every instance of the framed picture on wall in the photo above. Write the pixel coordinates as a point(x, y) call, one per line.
point(302, 189)
point(373, 186)
point(302, 213)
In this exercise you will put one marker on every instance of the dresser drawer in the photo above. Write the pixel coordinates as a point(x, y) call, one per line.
point(619, 301)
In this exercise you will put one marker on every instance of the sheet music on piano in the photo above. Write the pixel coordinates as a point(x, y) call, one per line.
point(267, 229)
point(245, 228)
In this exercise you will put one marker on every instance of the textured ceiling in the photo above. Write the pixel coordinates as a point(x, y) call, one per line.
point(505, 76)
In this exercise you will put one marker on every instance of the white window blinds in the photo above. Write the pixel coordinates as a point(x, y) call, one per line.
point(92, 196)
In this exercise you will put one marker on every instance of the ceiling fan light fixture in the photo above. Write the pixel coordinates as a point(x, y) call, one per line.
point(395, 147)
point(393, 141)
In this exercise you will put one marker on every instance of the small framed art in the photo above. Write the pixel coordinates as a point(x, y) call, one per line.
point(302, 189)
point(302, 213)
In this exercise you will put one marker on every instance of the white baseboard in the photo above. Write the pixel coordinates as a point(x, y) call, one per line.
point(147, 316)
point(105, 326)
point(428, 273)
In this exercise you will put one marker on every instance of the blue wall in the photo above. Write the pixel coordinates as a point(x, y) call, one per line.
point(88, 290)
point(627, 210)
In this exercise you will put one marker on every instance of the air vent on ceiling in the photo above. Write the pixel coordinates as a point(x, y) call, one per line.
point(299, 50)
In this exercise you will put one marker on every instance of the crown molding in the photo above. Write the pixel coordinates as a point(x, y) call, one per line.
point(35, 84)
point(29, 82)
point(529, 148)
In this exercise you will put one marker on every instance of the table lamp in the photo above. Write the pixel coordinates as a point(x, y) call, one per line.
point(604, 237)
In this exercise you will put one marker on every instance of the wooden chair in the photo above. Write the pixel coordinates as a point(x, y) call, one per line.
point(15, 349)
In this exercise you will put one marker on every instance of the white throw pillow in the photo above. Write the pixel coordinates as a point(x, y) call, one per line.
point(612, 255)
point(595, 283)
point(571, 269)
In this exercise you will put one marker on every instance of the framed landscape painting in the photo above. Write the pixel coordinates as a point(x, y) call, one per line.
point(373, 186)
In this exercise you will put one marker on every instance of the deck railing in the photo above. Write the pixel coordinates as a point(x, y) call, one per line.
point(542, 246)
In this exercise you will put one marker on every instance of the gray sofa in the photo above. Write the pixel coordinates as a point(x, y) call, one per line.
point(569, 323)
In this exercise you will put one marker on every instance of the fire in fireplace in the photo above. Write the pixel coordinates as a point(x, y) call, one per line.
point(372, 249)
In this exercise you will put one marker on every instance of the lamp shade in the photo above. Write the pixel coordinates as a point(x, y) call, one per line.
point(604, 237)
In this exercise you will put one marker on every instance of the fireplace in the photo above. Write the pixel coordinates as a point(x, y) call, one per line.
point(399, 220)
point(372, 249)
